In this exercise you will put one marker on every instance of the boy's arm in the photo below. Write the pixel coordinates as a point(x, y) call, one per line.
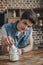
point(29, 47)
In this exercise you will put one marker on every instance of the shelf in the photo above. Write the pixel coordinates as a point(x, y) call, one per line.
point(37, 26)
point(12, 19)
point(38, 10)
point(19, 12)
point(12, 11)
point(41, 17)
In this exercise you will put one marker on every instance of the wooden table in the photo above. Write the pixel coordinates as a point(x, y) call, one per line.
point(32, 58)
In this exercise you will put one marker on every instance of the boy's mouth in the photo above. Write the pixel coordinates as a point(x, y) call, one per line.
point(23, 28)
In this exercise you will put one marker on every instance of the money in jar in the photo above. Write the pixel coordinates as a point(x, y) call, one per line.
point(13, 53)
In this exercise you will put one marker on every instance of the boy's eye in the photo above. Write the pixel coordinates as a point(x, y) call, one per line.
point(25, 23)
point(29, 26)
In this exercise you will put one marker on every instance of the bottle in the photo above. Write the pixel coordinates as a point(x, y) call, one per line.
point(14, 14)
point(13, 53)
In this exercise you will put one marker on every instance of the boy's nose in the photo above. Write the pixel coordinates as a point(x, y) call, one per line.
point(26, 27)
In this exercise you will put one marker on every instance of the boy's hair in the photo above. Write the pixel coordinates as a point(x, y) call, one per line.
point(30, 15)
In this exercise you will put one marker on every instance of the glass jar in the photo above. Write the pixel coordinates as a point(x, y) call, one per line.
point(13, 53)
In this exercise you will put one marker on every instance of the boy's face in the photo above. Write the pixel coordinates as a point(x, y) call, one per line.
point(24, 24)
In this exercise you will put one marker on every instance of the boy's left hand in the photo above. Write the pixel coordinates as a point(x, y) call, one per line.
point(20, 52)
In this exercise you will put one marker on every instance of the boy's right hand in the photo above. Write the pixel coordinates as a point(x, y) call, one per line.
point(7, 41)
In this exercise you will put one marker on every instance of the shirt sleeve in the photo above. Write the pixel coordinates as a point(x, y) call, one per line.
point(4, 33)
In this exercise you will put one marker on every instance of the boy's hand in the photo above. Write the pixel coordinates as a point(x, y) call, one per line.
point(10, 40)
point(20, 52)
point(7, 41)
